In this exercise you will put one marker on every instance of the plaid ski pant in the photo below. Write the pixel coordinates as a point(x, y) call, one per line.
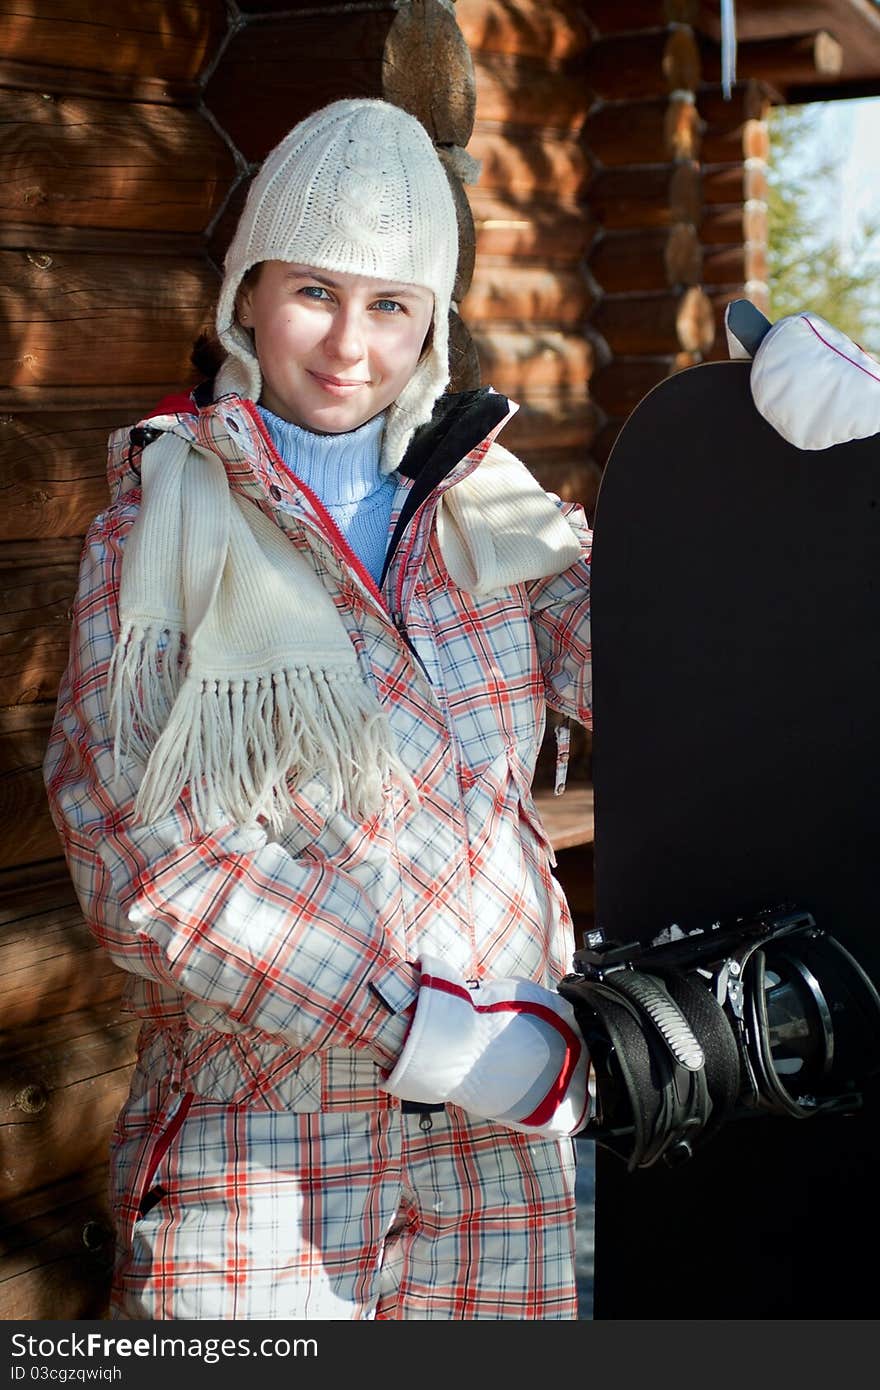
point(226, 1212)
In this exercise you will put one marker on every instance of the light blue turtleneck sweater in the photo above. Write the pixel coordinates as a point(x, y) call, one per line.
point(343, 471)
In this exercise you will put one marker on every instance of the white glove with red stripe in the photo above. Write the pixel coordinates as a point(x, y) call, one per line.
point(814, 385)
point(504, 1050)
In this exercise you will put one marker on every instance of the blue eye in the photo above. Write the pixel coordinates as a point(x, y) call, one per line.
point(314, 291)
point(389, 306)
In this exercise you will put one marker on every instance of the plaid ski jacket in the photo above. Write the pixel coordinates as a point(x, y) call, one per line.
point(266, 968)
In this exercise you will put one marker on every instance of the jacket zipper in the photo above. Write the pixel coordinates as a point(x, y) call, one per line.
point(332, 532)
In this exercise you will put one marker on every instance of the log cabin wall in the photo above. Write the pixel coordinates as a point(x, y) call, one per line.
point(132, 130)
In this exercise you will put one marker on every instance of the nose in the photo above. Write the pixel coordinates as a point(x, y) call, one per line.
point(344, 341)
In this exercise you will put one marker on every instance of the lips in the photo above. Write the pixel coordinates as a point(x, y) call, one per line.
point(335, 383)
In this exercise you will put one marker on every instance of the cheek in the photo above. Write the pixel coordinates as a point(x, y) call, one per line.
point(287, 335)
point(408, 350)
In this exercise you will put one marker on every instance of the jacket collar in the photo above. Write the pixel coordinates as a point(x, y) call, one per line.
point(460, 422)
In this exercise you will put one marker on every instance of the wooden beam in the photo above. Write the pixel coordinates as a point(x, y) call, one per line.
point(62, 1083)
point(414, 56)
point(741, 182)
point(655, 131)
point(77, 162)
point(525, 92)
point(35, 602)
point(639, 65)
point(58, 1244)
point(647, 197)
point(53, 465)
point(27, 835)
point(552, 232)
point(79, 320)
point(727, 223)
point(170, 39)
point(567, 819)
point(611, 16)
point(525, 294)
point(782, 62)
point(552, 420)
point(656, 325)
point(740, 264)
point(464, 364)
point(624, 382)
point(529, 163)
point(530, 28)
point(640, 260)
point(533, 358)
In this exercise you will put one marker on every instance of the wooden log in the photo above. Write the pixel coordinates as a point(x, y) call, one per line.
point(623, 383)
point(638, 65)
point(553, 232)
point(552, 420)
point(99, 241)
point(527, 163)
point(84, 320)
point(526, 92)
point(533, 359)
point(610, 16)
point(782, 62)
point(56, 83)
point(53, 467)
point(27, 835)
point(160, 38)
point(729, 126)
point(647, 260)
point(58, 1250)
point(36, 592)
point(647, 197)
point(374, 53)
point(529, 28)
point(464, 364)
point(425, 39)
point(62, 1083)
point(735, 265)
point(656, 131)
point(525, 294)
point(51, 964)
point(734, 183)
point(656, 325)
point(727, 223)
point(464, 269)
point(78, 162)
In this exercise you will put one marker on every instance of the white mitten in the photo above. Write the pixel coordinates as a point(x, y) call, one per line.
point(814, 385)
point(505, 1050)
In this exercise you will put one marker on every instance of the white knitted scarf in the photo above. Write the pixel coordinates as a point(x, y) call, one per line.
point(233, 677)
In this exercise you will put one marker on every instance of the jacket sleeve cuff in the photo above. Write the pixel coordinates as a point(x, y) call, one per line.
point(395, 990)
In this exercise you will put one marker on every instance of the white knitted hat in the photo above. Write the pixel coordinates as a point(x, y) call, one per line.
point(356, 187)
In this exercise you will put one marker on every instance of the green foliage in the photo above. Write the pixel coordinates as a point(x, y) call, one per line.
point(811, 266)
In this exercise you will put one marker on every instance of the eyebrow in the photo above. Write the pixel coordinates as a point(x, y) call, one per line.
point(302, 272)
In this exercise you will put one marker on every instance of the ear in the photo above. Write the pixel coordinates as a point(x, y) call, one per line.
point(243, 305)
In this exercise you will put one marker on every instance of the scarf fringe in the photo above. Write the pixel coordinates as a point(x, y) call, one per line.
point(242, 748)
point(146, 672)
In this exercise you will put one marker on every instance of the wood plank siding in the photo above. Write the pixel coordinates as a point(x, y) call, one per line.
point(620, 205)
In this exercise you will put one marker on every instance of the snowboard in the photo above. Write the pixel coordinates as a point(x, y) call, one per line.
point(736, 766)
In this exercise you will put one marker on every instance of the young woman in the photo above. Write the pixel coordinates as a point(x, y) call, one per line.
point(316, 633)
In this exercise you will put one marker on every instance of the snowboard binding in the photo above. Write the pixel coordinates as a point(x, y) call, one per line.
point(763, 1014)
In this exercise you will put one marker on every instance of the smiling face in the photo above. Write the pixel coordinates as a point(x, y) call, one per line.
point(334, 349)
